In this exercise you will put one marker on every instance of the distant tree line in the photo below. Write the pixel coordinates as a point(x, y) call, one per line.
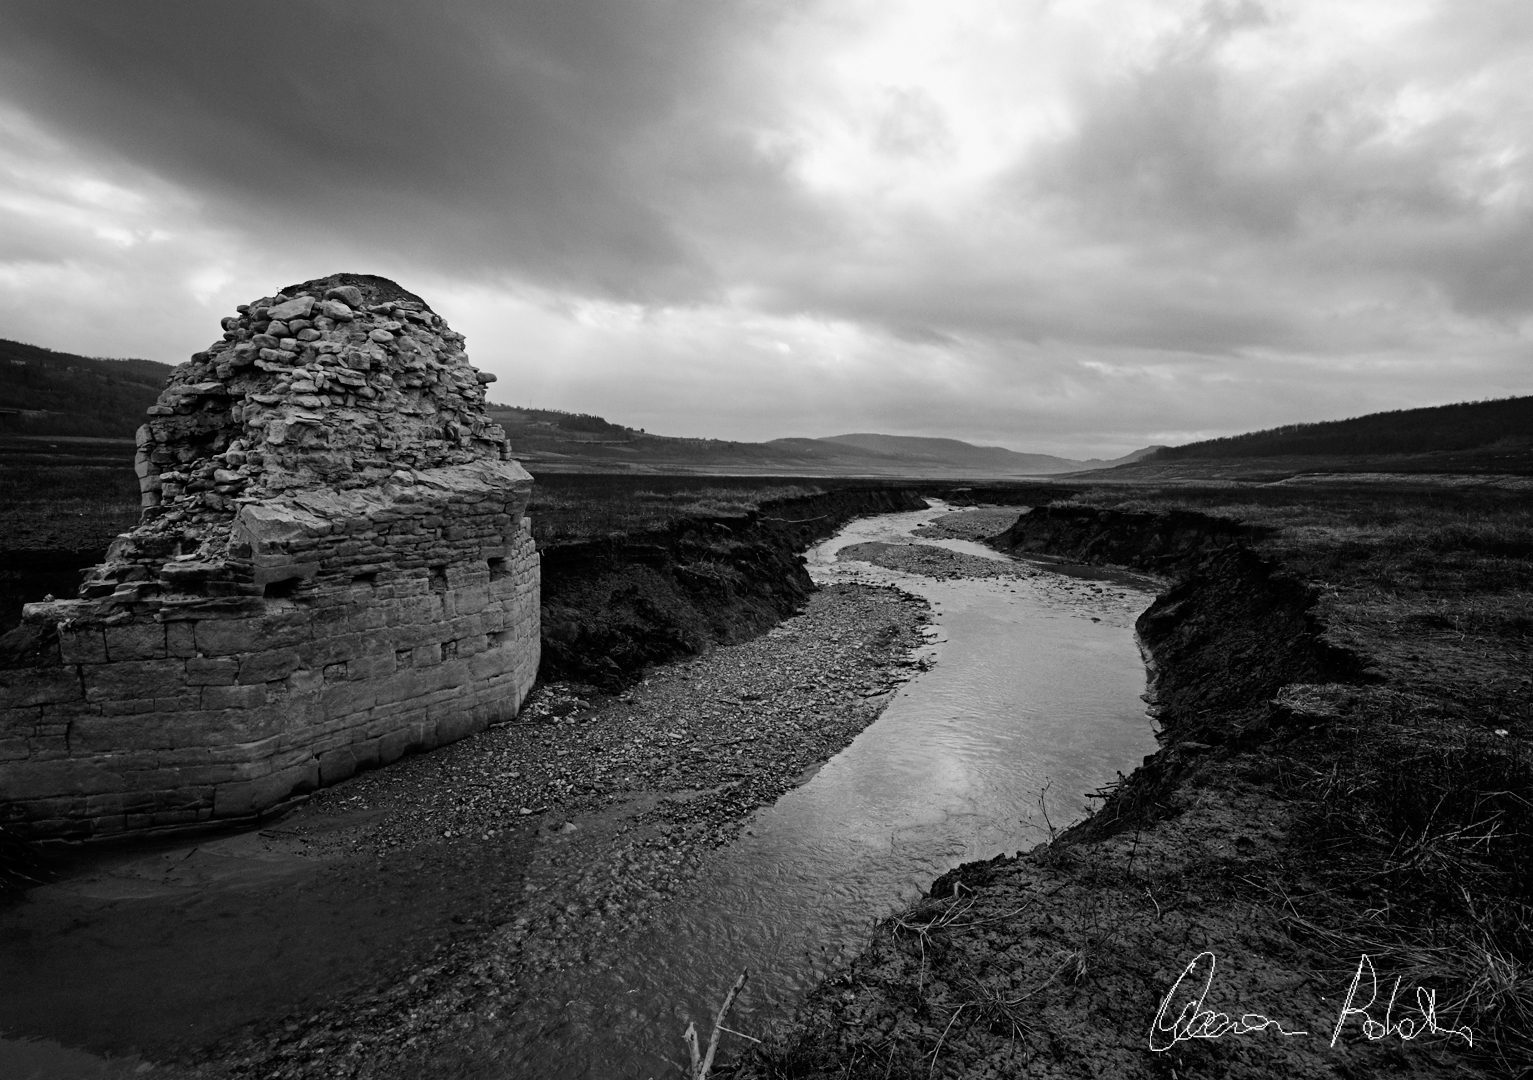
point(568, 421)
point(43, 392)
point(1467, 425)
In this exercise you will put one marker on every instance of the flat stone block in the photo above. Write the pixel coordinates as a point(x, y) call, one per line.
point(366, 752)
point(455, 724)
point(47, 779)
point(180, 639)
point(341, 648)
point(23, 687)
point(219, 671)
point(21, 721)
point(224, 637)
point(167, 818)
point(246, 735)
point(467, 601)
point(341, 699)
point(395, 745)
point(206, 777)
point(234, 697)
point(82, 645)
point(305, 682)
point(377, 666)
point(490, 663)
point(182, 757)
point(135, 641)
point(100, 736)
point(234, 800)
point(132, 679)
point(416, 609)
point(465, 626)
point(337, 765)
point(105, 805)
point(263, 667)
point(238, 799)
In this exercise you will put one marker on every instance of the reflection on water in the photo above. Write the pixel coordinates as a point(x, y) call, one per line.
point(1035, 693)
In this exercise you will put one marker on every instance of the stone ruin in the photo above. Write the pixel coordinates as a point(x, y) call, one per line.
point(332, 570)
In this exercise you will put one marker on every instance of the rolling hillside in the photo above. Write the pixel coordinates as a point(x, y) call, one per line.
point(43, 392)
point(1469, 425)
point(953, 453)
point(1482, 439)
point(551, 441)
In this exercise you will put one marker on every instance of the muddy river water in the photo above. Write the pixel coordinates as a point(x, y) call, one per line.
point(1032, 700)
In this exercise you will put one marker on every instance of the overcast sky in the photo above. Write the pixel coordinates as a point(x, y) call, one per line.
point(1071, 226)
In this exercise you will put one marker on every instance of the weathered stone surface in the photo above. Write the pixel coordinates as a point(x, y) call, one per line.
point(349, 295)
point(333, 569)
point(297, 308)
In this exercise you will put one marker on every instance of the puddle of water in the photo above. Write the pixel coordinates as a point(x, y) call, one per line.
point(1036, 693)
point(140, 947)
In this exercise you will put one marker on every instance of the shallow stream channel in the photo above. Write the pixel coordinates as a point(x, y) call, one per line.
point(1027, 697)
point(1030, 701)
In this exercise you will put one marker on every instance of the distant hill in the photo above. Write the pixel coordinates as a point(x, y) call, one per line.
point(554, 441)
point(1470, 425)
point(1487, 439)
point(43, 392)
point(956, 454)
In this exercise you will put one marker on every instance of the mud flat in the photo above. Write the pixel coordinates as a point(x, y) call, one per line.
point(1341, 794)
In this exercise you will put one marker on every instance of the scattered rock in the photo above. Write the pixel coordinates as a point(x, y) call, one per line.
point(349, 295)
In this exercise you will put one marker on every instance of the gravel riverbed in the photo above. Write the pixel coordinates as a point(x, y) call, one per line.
point(602, 807)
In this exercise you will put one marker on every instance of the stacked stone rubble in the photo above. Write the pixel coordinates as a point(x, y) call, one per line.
point(333, 569)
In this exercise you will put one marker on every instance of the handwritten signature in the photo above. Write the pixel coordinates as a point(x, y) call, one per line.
point(1406, 1028)
point(1183, 1015)
point(1193, 1021)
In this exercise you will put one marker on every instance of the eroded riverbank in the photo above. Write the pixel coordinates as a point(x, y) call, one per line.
point(1339, 797)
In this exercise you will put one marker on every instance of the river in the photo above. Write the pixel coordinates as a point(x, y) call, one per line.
point(1032, 700)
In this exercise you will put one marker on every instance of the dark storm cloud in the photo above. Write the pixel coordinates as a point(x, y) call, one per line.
point(1145, 219)
point(533, 139)
point(1328, 185)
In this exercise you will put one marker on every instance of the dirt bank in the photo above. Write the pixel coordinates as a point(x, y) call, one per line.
point(1144, 540)
point(613, 607)
point(1308, 808)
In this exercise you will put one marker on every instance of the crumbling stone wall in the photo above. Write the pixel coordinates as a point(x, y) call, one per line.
point(332, 569)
